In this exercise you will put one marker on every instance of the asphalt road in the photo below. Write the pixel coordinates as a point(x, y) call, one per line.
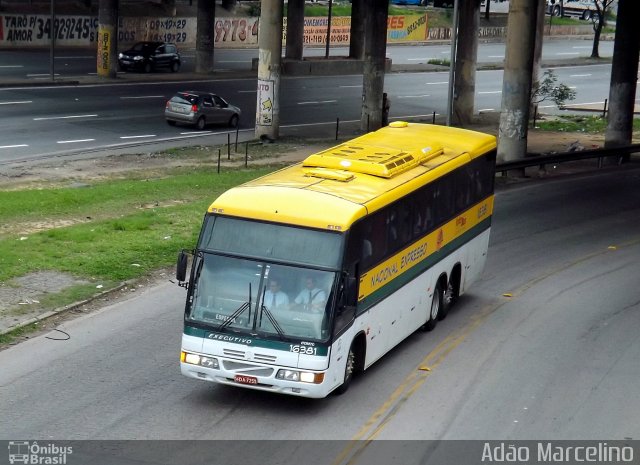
point(36, 64)
point(545, 346)
point(38, 122)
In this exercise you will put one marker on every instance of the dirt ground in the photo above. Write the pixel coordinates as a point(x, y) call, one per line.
point(19, 298)
point(80, 171)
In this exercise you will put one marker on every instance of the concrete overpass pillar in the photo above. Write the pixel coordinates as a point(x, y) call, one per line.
point(356, 44)
point(624, 74)
point(295, 30)
point(374, 61)
point(516, 84)
point(269, 69)
point(465, 65)
point(107, 65)
point(205, 38)
point(537, 51)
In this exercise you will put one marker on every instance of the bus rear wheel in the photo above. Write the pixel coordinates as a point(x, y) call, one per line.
point(450, 295)
point(436, 307)
point(348, 371)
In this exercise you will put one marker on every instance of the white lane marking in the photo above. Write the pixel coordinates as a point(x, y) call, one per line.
point(486, 109)
point(13, 146)
point(413, 96)
point(317, 103)
point(11, 66)
point(74, 141)
point(16, 102)
point(143, 96)
point(197, 133)
point(64, 117)
point(580, 75)
point(434, 83)
point(496, 56)
point(137, 137)
point(491, 92)
point(581, 46)
point(583, 104)
point(40, 75)
point(567, 53)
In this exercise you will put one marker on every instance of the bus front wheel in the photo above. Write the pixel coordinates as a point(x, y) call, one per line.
point(434, 311)
point(348, 371)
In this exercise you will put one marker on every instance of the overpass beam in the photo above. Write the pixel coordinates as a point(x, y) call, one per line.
point(269, 70)
point(516, 84)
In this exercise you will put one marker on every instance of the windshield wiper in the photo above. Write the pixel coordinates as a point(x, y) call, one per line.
point(236, 313)
point(273, 321)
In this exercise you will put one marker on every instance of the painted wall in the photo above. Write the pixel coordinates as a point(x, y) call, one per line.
point(82, 31)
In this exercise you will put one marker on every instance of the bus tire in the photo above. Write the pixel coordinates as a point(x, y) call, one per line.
point(434, 309)
point(349, 369)
point(451, 293)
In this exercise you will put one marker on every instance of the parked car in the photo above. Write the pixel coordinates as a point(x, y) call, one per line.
point(584, 9)
point(200, 109)
point(149, 56)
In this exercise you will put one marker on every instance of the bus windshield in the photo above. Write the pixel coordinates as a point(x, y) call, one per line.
point(261, 298)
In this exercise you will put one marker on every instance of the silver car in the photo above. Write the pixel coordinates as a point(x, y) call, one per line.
point(200, 109)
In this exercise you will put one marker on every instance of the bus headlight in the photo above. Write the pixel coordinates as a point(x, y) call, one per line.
point(201, 360)
point(300, 376)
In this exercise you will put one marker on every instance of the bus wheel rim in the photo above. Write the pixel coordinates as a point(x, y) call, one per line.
point(435, 305)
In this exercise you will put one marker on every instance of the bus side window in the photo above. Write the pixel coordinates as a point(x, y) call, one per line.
point(404, 212)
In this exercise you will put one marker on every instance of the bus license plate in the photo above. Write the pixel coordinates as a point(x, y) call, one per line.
point(242, 379)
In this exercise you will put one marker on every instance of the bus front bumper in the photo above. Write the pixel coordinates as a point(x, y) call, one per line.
point(264, 382)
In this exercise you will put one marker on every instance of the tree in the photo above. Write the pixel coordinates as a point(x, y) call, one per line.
point(549, 89)
point(599, 21)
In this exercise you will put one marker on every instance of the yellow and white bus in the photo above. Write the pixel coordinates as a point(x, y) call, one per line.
point(308, 275)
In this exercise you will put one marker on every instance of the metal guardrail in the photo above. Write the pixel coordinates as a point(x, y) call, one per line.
point(536, 160)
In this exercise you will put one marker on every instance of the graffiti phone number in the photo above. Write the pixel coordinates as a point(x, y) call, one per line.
point(66, 28)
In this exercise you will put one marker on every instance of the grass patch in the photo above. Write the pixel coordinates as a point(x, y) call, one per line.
point(439, 61)
point(575, 123)
point(119, 237)
point(11, 336)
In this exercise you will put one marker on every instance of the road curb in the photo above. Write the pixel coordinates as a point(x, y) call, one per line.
point(66, 308)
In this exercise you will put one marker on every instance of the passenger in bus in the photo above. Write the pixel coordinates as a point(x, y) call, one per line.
point(312, 298)
point(274, 298)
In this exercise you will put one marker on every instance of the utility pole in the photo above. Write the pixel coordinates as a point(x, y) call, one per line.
point(53, 40)
point(269, 68)
point(516, 84)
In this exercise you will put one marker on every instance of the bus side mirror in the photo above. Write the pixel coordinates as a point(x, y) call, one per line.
point(349, 294)
point(181, 267)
